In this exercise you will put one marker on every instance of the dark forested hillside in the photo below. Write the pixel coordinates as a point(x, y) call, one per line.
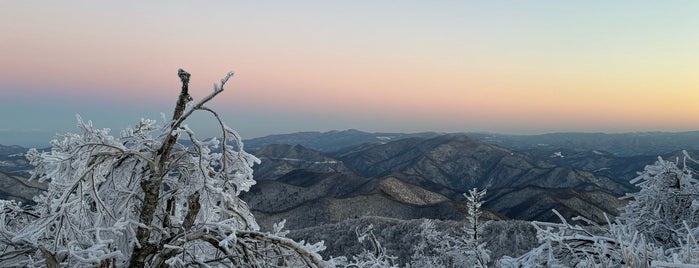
point(280, 159)
point(422, 177)
point(398, 169)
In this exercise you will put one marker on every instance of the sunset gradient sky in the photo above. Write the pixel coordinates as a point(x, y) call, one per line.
point(519, 67)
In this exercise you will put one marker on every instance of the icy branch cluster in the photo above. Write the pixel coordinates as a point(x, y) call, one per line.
point(378, 258)
point(145, 199)
point(567, 245)
point(658, 227)
point(669, 198)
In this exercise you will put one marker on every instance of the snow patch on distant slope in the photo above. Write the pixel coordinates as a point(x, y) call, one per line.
point(408, 193)
point(301, 160)
point(557, 154)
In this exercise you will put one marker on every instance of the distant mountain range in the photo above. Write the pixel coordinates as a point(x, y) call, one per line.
point(316, 178)
point(423, 177)
point(621, 144)
point(12, 160)
point(14, 171)
point(332, 140)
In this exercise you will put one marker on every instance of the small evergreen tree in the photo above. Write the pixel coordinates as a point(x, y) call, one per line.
point(466, 249)
point(474, 201)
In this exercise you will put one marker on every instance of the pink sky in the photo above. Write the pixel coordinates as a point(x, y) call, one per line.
point(413, 66)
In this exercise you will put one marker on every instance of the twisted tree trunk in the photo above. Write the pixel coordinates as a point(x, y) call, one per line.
point(151, 186)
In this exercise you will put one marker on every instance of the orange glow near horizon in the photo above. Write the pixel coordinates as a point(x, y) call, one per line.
point(477, 67)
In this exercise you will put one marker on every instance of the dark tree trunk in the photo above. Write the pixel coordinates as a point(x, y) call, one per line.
point(151, 186)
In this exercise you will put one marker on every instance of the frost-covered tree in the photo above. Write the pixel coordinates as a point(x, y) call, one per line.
point(668, 198)
point(658, 228)
point(143, 198)
point(464, 249)
point(568, 245)
point(378, 258)
point(441, 249)
point(474, 231)
point(434, 249)
point(474, 201)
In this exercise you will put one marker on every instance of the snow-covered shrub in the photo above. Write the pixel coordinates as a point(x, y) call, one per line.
point(658, 227)
point(465, 249)
point(567, 245)
point(435, 248)
point(667, 200)
point(143, 198)
point(367, 259)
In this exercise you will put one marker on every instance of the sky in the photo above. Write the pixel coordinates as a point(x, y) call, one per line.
point(516, 67)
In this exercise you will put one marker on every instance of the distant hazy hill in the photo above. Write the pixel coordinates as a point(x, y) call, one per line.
point(13, 187)
point(12, 160)
point(623, 168)
point(621, 144)
point(330, 141)
point(12, 149)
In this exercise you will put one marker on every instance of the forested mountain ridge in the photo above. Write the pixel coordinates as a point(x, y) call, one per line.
point(521, 186)
point(280, 159)
point(307, 199)
point(459, 162)
point(401, 175)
